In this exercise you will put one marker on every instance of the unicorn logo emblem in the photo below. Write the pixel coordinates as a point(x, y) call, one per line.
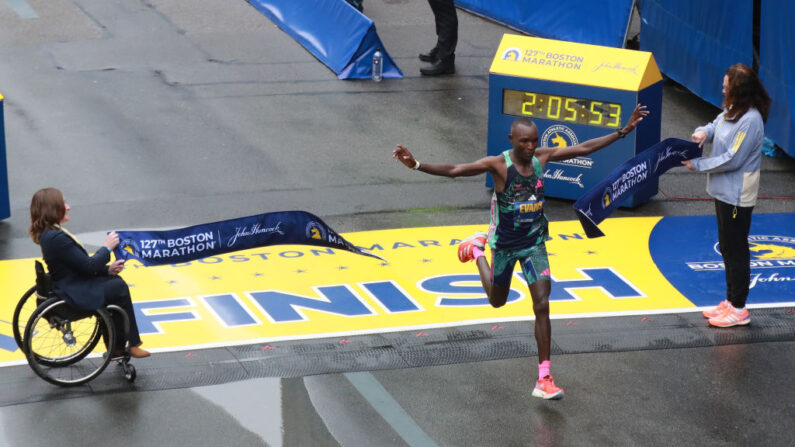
point(559, 141)
point(315, 231)
point(513, 54)
point(771, 251)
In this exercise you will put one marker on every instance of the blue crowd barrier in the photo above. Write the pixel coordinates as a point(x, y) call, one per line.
point(334, 32)
point(5, 202)
point(777, 70)
point(695, 42)
point(602, 22)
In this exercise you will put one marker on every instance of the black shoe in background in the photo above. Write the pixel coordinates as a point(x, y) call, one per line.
point(440, 67)
point(429, 56)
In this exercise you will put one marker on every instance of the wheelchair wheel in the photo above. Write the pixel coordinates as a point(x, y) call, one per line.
point(58, 341)
point(89, 332)
point(129, 371)
point(25, 307)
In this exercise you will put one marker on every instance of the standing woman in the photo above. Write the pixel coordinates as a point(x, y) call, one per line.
point(85, 282)
point(733, 181)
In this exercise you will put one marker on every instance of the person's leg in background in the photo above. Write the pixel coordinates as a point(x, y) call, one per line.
point(442, 56)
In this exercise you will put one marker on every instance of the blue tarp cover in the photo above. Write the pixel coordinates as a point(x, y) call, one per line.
point(694, 42)
point(602, 22)
point(333, 31)
point(777, 70)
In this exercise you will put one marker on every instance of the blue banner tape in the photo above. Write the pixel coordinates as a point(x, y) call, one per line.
point(200, 241)
point(598, 203)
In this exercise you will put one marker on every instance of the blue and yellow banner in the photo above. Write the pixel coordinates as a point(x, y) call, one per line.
point(210, 239)
point(633, 175)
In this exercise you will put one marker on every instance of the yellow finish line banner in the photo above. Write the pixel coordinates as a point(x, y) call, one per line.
point(293, 292)
point(575, 63)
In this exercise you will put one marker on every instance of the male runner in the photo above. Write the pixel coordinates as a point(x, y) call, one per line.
point(518, 230)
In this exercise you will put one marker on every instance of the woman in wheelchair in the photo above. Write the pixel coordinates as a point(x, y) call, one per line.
point(84, 282)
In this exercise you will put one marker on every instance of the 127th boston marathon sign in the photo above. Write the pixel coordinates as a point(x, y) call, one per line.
point(634, 175)
point(200, 241)
point(574, 92)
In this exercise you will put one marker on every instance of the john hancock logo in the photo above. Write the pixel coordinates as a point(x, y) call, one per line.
point(315, 231)
point(513, 54)
point(254, 230)
point(616, 66)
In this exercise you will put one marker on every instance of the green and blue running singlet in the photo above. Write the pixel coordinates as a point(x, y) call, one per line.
point(517, 212)
point(518, 230)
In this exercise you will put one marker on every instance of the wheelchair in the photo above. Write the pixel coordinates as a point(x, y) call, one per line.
point(59, 341)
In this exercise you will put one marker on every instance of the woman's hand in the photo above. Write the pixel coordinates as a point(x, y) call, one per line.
point(116, 267)
point(111, 240)
point(699, 137)
point(403, 155)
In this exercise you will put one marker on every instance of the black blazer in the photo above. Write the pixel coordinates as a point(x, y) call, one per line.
point(76, 277)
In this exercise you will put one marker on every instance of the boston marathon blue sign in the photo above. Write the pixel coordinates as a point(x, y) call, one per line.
point(686, 251)
point(601, 200)
point(200, 241)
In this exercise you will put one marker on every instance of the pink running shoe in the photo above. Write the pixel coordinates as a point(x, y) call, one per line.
point(716, 311)
point(465, 247)
point(546, 389)
point(731, 317)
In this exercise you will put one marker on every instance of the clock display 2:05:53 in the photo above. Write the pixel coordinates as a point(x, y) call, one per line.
point(561, 108)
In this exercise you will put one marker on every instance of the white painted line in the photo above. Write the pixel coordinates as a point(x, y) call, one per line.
point(23, 9)
point(386, 406)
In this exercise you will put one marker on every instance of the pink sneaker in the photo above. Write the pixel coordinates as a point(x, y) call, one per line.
point(731, 317)
point(716, 311)
point(465, 247)
point(546, 389)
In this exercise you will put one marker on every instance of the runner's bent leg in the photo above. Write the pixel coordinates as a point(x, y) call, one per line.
point(498, 294)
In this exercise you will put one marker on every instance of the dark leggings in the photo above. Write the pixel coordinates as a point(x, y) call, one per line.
point(734, 224)
point(117, 292)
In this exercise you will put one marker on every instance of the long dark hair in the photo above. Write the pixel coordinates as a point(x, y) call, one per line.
point(47, 209)
point(745, 90)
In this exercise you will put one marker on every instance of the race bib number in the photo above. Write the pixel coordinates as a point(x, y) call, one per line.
point(528, 211)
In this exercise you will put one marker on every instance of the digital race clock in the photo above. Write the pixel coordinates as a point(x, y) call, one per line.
point(574, 92)
point(561, 108)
